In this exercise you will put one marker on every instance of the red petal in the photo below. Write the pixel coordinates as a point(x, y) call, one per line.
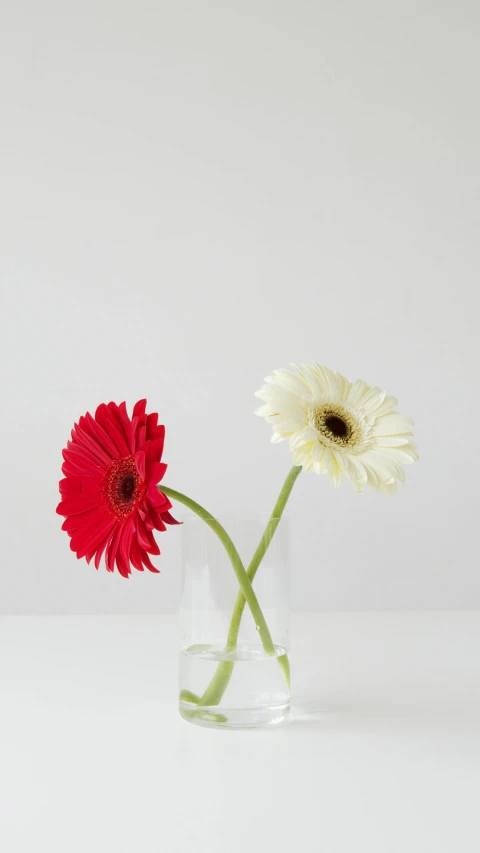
point(159, 435)
point(140, 436)
point(146, 519)
point(84, 541)
point(90, 444)
point(169, 519)
point(154, 449)
point(78, 462)
point(136, 555)
point(160, 501)
point(139, 408)
point(75, 485)
point(80, 503)
point(117, 418)
point(127, 426)
point(92, 552)
point(140, 463)
point(81, 455)
point(155, 432)
point(123, 553)
point(101, 549)
point(101, 435)
point(137, 425)
point(157, 498)
point(145, 538)
point(156, 519)
point(73, 469)
point(148, 563)
point(112, 548)
point(125, 541)
point(142, 534)
point(107, 420)
point(153, 549)
point(82, 519)
point(155, 473)
point(90, 519)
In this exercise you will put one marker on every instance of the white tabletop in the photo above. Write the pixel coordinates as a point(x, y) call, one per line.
point(383, 753)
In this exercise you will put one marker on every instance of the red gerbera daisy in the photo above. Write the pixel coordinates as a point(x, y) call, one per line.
point(109, 494)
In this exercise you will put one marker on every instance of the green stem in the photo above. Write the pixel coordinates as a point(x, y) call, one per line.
point(259, 554)
point(221, 678)
point(245, 585)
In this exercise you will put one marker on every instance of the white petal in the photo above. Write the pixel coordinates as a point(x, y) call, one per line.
point(371, 401)
point(402, 455)
point(393, 424)
point(289, 381)
point(329, 460)
point(307, 434)
point(382, 469)
point(388, 488)
point(335, 472)
point(303, 459)
point(286, 425)
point(391, 440)
point(355, 469)
point(400, 475)
point(264, 411)
point(278, 396)
point(358, 389)
point(314, 376)
point(318, 456)
point(300, 457)
point(335, 381)
point(389, 405)
point(263, 393)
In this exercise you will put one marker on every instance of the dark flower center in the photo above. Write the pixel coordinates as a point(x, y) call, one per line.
point(123, 487)
point(127, 487)
point(337, 427)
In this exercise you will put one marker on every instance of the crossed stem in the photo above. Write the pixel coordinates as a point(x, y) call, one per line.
point(246, 595)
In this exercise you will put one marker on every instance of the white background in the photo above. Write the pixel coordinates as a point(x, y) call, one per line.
point(194, 193)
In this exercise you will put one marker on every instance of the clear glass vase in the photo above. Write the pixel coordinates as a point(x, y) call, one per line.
point(234, 668)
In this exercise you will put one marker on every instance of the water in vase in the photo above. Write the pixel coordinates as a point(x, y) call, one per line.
point(256, 691)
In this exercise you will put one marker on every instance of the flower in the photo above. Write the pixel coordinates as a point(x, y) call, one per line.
point(337, 427)
point(109, 495)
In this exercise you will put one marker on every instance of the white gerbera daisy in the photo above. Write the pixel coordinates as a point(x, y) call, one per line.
point(337, 427)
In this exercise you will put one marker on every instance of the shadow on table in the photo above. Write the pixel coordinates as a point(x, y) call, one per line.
point(421, 715)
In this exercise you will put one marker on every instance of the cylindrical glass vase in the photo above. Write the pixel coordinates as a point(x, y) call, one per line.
point(234, 672)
